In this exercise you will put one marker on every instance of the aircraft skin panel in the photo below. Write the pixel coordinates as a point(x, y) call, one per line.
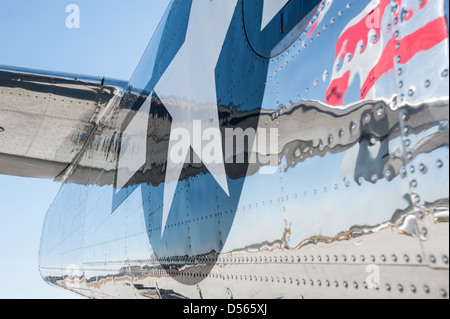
point(350, 201)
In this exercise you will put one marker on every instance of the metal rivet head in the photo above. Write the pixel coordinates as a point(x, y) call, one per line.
point(445, 73)
point(443, 293)
point(427, 83)
point(413, 288)
point(2, 129)
point(407, 142)
point(388, 287)
point(400, 287)
point(426, 289)
point(422, 168)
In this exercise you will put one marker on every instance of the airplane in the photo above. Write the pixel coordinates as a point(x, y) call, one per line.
point(262, 149)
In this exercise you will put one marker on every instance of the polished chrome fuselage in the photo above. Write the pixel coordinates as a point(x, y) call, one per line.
point(356, 205)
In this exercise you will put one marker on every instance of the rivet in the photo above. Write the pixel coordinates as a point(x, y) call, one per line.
point(411, 91)
point(444, 73)
point(388, 287)
point(380, 111)
point(407, 142)
point(394, 102)
point(400, 287)
point(424, 231)
point(445, 259)
point(388, 174)
point(419, 258)
point(404, 14)
point(433, 259)
point(345, 284)
point(443, 293)
point(383, 257)
point(427, 83)
point(426, 289)
point(365, 285)
point(422, 168)
point(2, 129)
point(413, 288)
point(394, 257)
point(439, 164)
point(355, 284)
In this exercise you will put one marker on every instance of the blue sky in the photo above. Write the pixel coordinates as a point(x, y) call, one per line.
point(112, 37)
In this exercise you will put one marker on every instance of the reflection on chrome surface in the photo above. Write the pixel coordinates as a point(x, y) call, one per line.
point(360, 189)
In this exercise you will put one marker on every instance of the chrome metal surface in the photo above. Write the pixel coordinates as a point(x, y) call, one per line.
point(47, 117)
point(356, 205)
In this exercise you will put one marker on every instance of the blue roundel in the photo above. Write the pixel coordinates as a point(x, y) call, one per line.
point(272, 26)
